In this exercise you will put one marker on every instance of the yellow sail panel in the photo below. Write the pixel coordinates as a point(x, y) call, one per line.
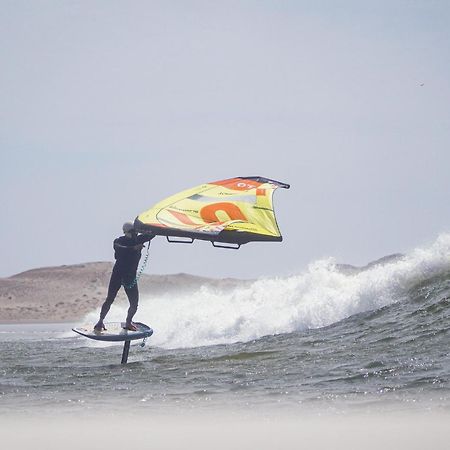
point(235, 210)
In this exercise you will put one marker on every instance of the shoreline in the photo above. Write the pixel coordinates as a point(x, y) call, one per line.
point(36, 322)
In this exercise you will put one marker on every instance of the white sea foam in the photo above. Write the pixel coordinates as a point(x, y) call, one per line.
point(317, 297)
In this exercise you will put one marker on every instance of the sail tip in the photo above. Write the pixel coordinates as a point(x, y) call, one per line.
point(260, 179)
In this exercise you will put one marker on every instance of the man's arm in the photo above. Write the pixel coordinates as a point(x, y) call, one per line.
point(146, 237)
point(141, 239)
point(127, 247)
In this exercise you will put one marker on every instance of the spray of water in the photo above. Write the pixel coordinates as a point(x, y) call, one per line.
point(320, 296)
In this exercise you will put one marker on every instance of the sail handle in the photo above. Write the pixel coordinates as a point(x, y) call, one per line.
point(231, 246)
point(180, 240)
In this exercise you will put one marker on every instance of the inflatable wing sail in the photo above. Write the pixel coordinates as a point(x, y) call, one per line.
point(233, 211)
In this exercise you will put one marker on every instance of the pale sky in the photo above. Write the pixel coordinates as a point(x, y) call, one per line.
point(106, 107)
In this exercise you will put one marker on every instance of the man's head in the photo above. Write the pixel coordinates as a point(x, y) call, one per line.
point(128, 228)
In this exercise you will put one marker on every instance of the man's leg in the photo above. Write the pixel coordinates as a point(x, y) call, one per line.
point(133, 298)
point(114, 285)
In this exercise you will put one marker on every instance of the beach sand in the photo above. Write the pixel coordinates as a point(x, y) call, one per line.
point(429, 431)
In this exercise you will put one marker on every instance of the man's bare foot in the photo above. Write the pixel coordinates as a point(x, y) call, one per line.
point(130, 326)
point(99, 327)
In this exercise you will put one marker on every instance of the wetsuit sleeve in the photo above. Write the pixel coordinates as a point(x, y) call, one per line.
point(144, 238)
point(124, 244)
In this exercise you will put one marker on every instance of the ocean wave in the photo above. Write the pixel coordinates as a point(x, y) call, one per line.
point(320, 296)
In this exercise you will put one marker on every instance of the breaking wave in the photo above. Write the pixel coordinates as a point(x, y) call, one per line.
point(224, 312)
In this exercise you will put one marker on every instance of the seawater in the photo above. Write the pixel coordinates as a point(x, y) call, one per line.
point(327, 339)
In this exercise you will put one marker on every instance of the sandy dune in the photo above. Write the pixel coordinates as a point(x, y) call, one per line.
point(67, 293)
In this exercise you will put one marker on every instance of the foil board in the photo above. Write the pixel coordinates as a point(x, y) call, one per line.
point(115, 332)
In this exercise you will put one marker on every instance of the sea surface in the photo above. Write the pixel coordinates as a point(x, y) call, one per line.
point(331, 339)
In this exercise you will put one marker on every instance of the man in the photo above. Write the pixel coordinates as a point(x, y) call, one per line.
point(127, 252)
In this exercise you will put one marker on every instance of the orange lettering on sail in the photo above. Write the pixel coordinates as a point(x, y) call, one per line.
point(237, 184)
point(208, 212)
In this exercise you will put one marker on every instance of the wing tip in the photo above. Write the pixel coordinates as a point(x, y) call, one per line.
point(261, 179)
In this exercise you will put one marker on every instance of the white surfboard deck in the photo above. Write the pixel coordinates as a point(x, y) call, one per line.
point(115, 332)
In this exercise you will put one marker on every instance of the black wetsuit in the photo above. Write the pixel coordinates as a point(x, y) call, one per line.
point(127, 252)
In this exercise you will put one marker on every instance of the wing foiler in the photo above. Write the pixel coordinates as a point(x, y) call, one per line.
point(233, 211)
